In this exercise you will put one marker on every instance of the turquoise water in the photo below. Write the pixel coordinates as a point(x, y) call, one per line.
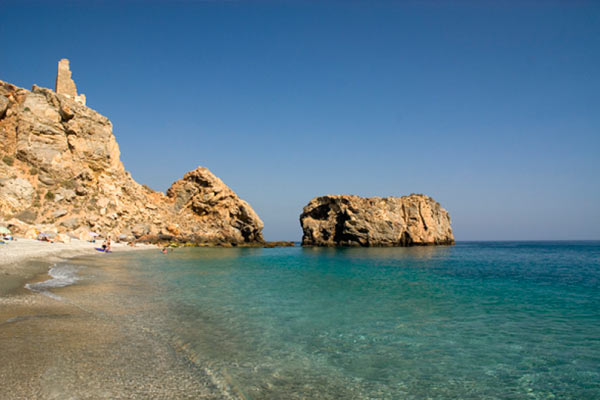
point(477, 320)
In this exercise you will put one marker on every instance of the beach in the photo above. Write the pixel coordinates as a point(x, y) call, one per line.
point(62, 342)
point(23, 259)
point(20, 250)
point(467, 321)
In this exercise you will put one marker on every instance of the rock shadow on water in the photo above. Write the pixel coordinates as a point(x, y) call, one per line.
point(380, 253)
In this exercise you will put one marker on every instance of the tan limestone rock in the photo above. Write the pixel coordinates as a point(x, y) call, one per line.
point(63, 238)
point(16, 194)
point(202, 198)
point(60, 163)
point(346, 220)
point(4, 102)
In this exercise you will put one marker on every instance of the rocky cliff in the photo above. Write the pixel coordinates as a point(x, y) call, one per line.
point(345, 220)
point(60, 169)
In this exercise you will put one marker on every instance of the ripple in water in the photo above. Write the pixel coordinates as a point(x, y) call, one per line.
point(61, 275)
point(476, 320)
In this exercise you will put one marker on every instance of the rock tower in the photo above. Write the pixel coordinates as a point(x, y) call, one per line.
point(64, 83)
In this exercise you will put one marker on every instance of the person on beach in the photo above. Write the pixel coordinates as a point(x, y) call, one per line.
point(106, 244)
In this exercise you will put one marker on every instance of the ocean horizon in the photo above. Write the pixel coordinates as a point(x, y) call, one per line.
point(494, 320)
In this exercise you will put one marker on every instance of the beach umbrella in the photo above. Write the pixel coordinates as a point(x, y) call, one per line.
point(49, 234)
point(94, 234)
point(4, 230)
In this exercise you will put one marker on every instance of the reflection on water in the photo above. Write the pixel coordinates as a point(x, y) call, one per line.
point(379, 253)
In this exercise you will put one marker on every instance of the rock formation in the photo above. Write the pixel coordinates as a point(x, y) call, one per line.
point(346, 220)
point(60, 169)
point(203, 201)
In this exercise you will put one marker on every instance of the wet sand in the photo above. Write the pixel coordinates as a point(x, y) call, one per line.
point(84, 344)
point(24, 259)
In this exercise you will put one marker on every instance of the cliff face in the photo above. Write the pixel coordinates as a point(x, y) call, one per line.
point(346, 220)
point(60, 168)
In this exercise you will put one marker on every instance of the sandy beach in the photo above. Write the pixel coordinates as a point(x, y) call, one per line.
point(22, 259)
point(79, 343)
point(20, 250)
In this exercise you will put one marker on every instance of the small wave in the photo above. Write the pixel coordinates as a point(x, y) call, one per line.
point(62, 275)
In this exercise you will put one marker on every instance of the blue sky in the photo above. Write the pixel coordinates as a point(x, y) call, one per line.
point(491, 108)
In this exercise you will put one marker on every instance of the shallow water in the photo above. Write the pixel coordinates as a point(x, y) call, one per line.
point(61, 275)
point(502, 320)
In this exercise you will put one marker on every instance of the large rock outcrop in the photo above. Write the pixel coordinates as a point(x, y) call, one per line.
point(60, 168)
point(202, 200)
point(345, 220)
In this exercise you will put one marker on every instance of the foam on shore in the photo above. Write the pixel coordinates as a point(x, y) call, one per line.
point(24, 259)
point(61, 275)
point(18, 251)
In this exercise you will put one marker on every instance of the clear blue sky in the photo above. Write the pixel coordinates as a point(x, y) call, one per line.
point(491, 108)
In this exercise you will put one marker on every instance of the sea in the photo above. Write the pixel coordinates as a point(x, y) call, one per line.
point(478, 320)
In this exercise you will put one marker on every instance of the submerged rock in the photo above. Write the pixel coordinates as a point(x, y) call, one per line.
point(346, 220)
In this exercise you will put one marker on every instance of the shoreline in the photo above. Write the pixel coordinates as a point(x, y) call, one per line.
point(26, 260)
point(80, 340)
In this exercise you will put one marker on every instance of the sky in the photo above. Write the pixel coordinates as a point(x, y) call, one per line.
point(491, 108)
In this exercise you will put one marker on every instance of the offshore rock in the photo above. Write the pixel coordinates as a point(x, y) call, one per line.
point(346, 220)
point(60, 166)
